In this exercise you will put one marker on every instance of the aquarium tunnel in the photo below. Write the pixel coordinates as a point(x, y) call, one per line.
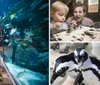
point(24, 42)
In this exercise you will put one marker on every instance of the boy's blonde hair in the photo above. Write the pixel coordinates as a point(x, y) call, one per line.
point(59, 5)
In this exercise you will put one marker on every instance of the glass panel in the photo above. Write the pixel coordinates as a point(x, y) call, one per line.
point(24, 41)
point(93, 6)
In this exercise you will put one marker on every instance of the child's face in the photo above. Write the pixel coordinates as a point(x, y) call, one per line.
point(78, 14)
point(58, 16)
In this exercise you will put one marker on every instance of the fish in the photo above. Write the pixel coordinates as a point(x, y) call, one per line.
point(28, 38)
point(20, 10)
point(4, 15)
point(29, 34)
point(12, 31)
point(35, 3)
point(24, 44)
point(46, 18)
point(30, 19)
point(6, 40)
point(43, 6)
point(20, 73)
point(12, 16)
point(8, 26)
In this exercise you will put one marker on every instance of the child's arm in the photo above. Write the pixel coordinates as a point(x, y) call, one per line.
point(56, 25)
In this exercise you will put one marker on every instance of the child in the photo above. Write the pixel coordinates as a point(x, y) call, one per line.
point(78, 18)
point(58, 14)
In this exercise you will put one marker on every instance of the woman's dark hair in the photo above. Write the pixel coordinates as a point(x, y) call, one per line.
point(78, 4)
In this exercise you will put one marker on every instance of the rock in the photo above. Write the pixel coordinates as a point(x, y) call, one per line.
point(88, 33)
point(93, 37)
point(80, 38)
point(91, 29)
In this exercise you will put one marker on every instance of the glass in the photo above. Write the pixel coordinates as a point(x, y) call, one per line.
point(24, 42)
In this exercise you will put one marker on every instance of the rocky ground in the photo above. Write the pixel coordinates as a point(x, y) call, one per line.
point(80, 34)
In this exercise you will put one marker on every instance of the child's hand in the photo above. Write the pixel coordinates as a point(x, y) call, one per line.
point(73, 24)
point(58, 24)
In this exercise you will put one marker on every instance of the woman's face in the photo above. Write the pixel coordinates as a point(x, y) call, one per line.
point(78, 14)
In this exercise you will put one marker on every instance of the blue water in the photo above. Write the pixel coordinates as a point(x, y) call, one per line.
point(5, 5)
point(27, 66)
point(26, 77)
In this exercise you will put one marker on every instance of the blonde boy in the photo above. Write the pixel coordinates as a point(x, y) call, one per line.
point(58, 14)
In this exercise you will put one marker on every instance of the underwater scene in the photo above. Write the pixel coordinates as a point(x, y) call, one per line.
point(24, 57)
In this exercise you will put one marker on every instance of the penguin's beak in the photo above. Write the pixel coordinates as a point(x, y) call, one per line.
point(79, 60)
point(54, 76)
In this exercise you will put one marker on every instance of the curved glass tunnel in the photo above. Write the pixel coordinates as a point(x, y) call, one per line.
point(24, 42)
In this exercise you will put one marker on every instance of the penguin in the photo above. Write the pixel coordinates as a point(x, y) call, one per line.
point(80, 63)
point(90, 71)
point(68, 63)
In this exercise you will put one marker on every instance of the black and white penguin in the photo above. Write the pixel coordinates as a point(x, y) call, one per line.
point(90, 71)
point(90, 68)
point(69, 63)
point(76, 62)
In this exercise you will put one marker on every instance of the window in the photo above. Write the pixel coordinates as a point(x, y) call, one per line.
point(93, 6)
point(82, 1)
